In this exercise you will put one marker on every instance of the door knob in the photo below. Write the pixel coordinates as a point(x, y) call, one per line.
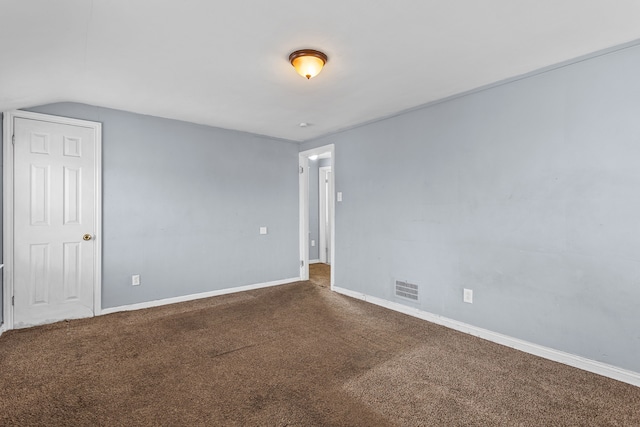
point(86, 237)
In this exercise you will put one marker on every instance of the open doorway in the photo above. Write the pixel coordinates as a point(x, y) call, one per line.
point(317, 215)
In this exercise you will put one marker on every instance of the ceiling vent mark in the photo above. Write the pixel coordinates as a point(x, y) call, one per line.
point(406, 290)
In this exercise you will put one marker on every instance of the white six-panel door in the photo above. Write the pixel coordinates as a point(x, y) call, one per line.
point(54, 238)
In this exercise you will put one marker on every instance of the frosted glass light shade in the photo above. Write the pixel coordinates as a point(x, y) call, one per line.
point(307, 62)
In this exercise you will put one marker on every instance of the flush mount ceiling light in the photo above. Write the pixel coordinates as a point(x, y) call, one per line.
point(308, 62)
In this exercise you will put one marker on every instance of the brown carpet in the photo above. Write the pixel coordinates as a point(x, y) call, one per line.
point(296, 354)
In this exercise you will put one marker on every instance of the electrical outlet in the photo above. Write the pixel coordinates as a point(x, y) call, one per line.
point(467, 296)
point(135, 280)
point(339, 196)
point(263, 230)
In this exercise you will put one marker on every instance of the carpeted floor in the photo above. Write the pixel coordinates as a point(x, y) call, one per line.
point(296, 355)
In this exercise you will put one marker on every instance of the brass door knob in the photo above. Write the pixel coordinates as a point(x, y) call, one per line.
point(86, 237)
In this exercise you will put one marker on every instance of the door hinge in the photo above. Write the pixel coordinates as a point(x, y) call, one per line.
point(301, 263)
point(13, 139)
point(301, 170)
point(13, 300)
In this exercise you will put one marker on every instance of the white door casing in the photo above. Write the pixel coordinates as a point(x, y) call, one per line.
point(53, 251)
point(325, 207)
point(304, 210)
point(303, 193)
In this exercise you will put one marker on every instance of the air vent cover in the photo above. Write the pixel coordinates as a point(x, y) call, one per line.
point(406, 290)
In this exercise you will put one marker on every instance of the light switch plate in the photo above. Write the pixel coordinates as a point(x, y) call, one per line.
point(313, 243)
point(263, 230)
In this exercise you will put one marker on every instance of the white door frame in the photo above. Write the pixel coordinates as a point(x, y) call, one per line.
point(8, 207)
point(324, 191)
point(303, 163)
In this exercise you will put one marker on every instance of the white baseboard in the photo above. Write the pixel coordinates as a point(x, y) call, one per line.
point(579, 362)
point(192, 297)
point(314, 261)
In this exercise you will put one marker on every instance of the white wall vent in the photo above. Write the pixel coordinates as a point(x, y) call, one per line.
point(406, 290)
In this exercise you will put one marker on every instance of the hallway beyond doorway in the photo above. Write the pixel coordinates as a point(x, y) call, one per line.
point(320, 274)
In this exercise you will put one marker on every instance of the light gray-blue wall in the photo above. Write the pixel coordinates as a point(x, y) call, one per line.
point(528, 193)
point(183, 204)
point(314, 205)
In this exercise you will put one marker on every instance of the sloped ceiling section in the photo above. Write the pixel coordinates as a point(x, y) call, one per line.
point(225, 64)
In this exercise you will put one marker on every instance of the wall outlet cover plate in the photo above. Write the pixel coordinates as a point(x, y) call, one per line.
point(467, 296)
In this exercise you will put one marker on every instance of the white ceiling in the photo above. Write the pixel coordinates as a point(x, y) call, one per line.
point(224, 63)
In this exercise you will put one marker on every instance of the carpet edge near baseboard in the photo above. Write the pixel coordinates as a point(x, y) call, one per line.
point(589, 365)
point(191, 297)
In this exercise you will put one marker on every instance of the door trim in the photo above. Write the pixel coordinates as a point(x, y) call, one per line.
point(322, 205)
point(8, 206)
point(303, 191)
point(303, 162)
